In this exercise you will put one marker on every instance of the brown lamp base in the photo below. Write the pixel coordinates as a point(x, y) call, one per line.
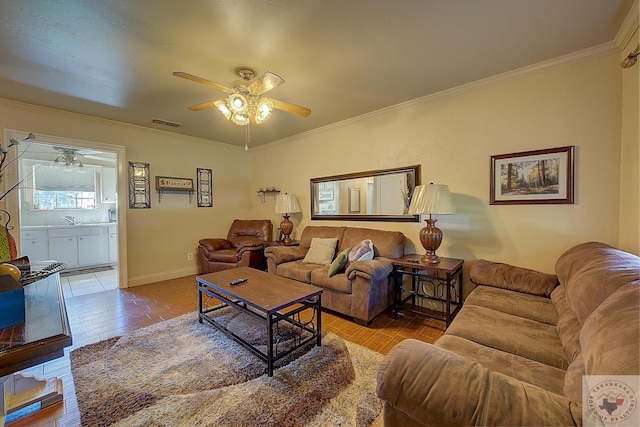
point(286, 226)
point(430, 238)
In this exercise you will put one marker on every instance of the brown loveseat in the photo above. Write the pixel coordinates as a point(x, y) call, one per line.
point(364, 289)
point(243, 247)
point(517, 351)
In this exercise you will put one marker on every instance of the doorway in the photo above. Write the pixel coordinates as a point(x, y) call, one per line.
point(68, 208)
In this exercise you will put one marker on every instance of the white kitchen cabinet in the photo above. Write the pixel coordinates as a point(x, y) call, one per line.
point(92, 250)
point(64, 249)
point(113, 244)
point(34, 244)
point(79, 246)
point(109, 180)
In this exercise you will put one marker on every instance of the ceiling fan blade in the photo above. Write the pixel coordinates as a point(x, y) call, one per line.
point(201, 81)
point(265, 83)
point(291, 108)
point(202, 106)
point(104, 159)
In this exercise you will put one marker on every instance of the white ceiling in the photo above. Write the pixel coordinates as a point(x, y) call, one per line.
point(341, 58)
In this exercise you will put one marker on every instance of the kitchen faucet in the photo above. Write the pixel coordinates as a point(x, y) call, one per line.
point(71, 220)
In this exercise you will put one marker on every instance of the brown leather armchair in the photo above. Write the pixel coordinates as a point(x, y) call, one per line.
point(243, 247)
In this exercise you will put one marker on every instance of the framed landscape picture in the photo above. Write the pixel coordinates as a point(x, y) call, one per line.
point(533, 177)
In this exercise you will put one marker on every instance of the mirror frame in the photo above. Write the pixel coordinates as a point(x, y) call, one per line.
point(415, 169)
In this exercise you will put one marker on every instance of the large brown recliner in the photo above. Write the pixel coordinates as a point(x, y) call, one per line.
point(243, 247)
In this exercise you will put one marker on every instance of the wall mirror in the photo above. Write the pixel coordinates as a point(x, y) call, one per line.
point(381, 195)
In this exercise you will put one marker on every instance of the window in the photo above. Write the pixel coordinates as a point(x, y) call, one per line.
point(65, 199)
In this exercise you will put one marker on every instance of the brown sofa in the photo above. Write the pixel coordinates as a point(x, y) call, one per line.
point(517, 351)
point(243, 247)
point(364, 289)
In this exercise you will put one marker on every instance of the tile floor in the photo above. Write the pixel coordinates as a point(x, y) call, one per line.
point(89, 283)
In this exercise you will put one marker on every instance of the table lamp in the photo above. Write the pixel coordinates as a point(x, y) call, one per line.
point(432, 199)
point(286, 204)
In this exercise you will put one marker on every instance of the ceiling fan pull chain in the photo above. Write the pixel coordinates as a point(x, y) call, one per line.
point(246, 144)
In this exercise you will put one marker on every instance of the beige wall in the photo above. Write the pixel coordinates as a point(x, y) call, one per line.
point(629, 176)
point(453, 137)
point(157, 239)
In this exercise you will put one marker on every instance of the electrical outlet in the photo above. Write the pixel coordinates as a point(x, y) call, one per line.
point(189, 256)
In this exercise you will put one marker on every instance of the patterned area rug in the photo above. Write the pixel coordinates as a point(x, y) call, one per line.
point(181, 372)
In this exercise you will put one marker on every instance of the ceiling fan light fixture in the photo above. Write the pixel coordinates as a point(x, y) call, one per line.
point(224, 109)
point(244, 103)
point(237, 103)
point(68, 160)
point(240, 119)
point(263, 110)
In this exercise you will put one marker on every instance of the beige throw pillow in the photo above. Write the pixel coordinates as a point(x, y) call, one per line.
point(321, 251)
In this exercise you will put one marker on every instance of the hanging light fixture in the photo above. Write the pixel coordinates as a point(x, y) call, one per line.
point(263, 110)
point(242, 109)
point(67, 160)
point(222, 106)
point(245, 103)
point(244, 106)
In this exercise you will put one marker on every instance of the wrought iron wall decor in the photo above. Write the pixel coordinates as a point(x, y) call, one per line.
point(204, 180)
point(139, 186)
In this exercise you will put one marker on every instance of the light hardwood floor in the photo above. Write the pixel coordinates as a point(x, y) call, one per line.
point(102, 314)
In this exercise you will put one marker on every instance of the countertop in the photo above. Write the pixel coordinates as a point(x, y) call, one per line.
point(46, 227)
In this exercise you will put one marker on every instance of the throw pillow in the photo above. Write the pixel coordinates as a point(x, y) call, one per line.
point(339, 263)
point(321, 251)
point(362, 251)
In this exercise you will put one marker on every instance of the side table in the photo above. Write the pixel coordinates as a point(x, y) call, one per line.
point(436, 289)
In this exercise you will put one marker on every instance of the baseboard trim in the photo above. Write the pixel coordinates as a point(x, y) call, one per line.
point(160, 276)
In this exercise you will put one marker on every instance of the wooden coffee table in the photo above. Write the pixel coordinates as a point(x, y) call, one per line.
point(267, 297)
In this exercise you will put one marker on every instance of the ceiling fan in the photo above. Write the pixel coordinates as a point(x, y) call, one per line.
point(71, 156)
point(245, 103)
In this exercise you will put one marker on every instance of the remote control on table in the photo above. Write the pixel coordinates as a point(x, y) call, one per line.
point(237, 281)
point(416, 261)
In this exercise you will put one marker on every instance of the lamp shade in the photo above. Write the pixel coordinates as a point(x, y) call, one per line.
point(287, 203)
point(431, 199)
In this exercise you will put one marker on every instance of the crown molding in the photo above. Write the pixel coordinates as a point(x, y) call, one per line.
point(540, 67)
point(629, 27)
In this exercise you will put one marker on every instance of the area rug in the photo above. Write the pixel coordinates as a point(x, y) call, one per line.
point(183, 373)
point(86, 271)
